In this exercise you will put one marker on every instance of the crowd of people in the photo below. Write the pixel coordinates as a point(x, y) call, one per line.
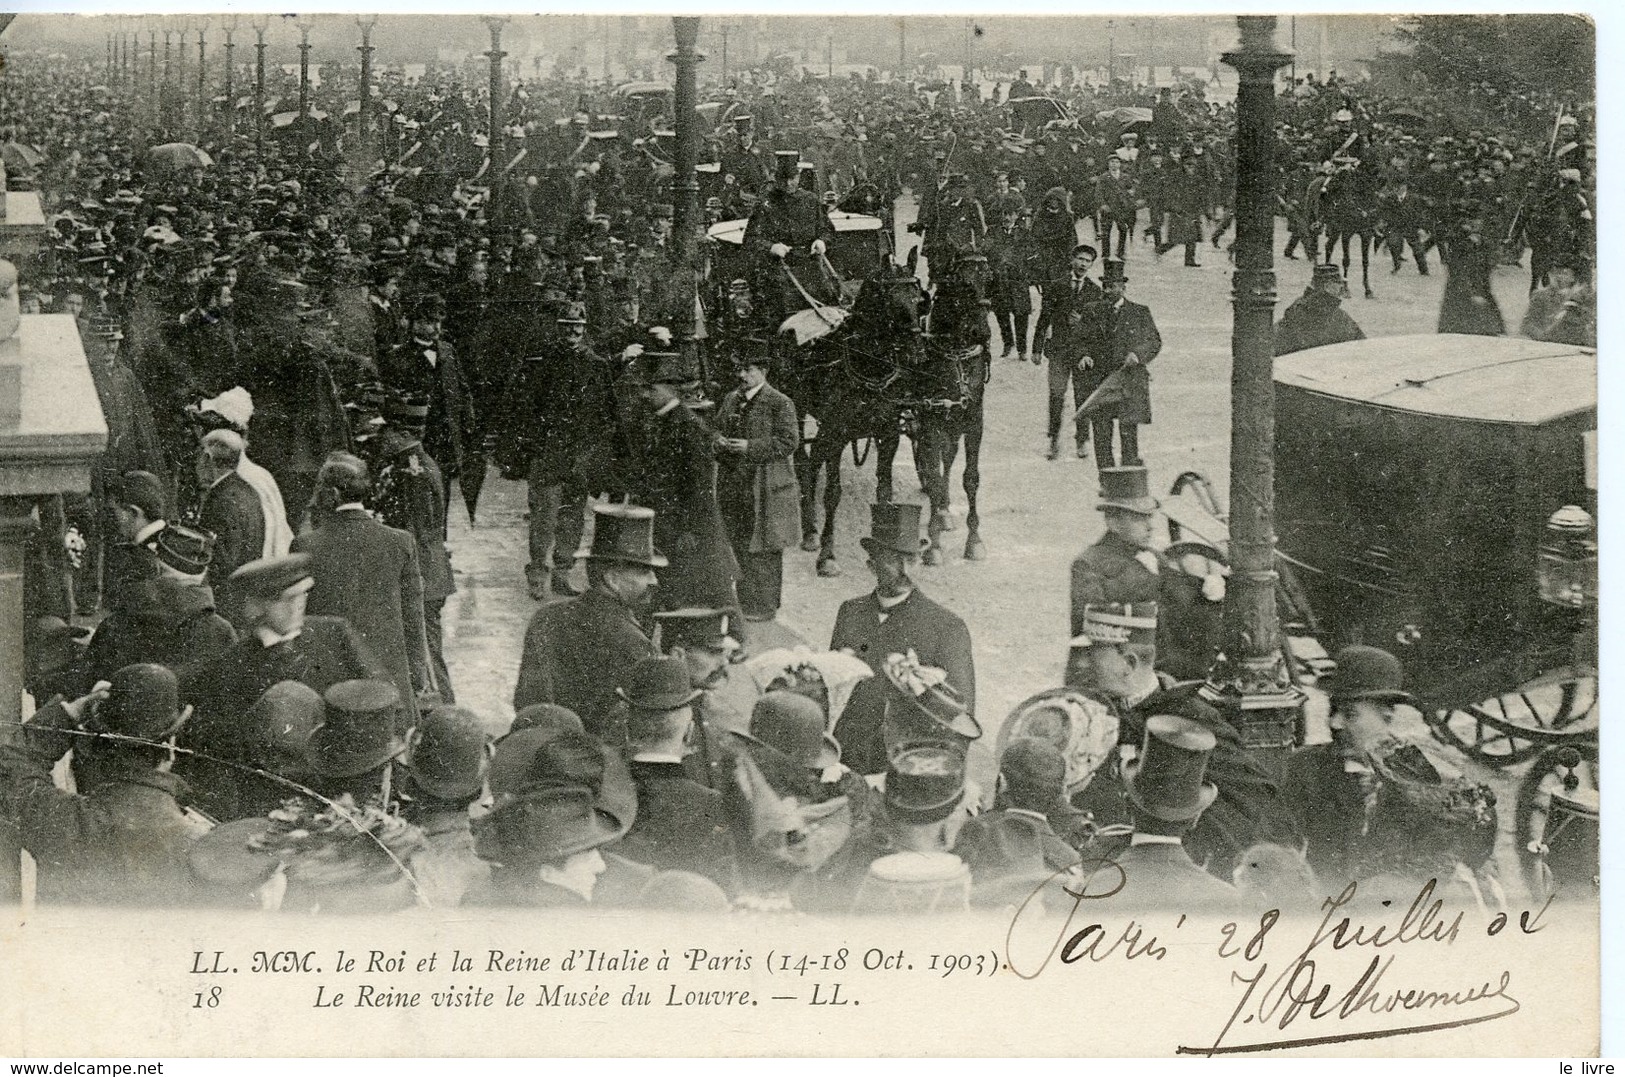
point(306, 336)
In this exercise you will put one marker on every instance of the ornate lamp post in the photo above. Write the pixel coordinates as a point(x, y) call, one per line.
point(685, 99)
point(202, 75)
point(181, 88)
point(304, 69)
point(229, 24)
point(1250, 680)
point(260, 24)
point(1111, 51)
point(495, 25)
point(152, 73)
point(366, 23)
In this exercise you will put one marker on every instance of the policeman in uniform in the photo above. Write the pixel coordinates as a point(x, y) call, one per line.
point(1121, 566)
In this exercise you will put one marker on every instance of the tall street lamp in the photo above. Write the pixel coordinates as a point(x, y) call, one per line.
point(1250, 680)
point(261, 24)
point(229, 24)
point(202, 76)
point(495, 24)
point(304, 70)
point(366, 23)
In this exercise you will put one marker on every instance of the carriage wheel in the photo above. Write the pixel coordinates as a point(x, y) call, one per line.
point(1513, 728)
point(1534, 816)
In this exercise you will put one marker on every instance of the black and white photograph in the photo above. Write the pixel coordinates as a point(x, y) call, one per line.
point(794, 525)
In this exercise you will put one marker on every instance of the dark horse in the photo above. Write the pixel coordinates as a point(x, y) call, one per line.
point(948, 404)
point(855, 382)
point(1349, 209)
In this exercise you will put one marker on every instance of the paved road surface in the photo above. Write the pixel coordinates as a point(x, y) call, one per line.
point(1036, 514)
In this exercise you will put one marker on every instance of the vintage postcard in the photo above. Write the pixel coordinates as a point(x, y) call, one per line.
point(799, 534)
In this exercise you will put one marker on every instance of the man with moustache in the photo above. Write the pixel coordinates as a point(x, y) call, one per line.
point(894, 618)
point(577, 651)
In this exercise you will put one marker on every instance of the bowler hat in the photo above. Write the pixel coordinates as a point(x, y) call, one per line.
point(657, 684)
point(545, 825)
point(894, 527)
point(925, 781)
point(1084, 248)
point(187, 550)
point(269, 578)
point(624, 533)
point(1368, 673)
point(280, 724)
point(792, 724)
point(358, 734)
point(428, 307)
point(1167, 780)
point(143, 702)
point(550, 718)
point(446, 753)
point(1126, 488)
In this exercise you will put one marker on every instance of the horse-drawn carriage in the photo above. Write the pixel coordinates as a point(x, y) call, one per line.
point(1434, 496)
point(860, 247)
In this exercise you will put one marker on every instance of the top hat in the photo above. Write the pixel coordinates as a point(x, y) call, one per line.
point(894, 527)
point(742, 120)
point(657, 684)
point(446, 753)
point(752, 351)
point(143, 702)
point(1367, 673)
point(1116, 622)
point(695, 626)
point(793, 725)
point(1168, 779)
point(624, 533)
point(1126, 488)
point(270, 578)
point(1113, 271)
point(787, 163)
point(358, 734)
point(187, 550)
point(925, 781)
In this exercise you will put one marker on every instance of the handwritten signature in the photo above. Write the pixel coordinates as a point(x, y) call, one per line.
point(1275, 996)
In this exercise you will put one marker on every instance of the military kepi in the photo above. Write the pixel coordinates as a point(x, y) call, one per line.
point(1117, 622)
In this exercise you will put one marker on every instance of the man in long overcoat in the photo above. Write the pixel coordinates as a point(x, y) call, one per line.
point(757, 436)
point(427, 365)
point(367, 573)
point(1128, 339)
point(578, 650)
point(1073, 305)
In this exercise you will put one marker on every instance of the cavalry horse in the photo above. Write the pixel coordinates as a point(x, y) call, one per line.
point(854, 381)
point(948, 404)
point(1348, 209)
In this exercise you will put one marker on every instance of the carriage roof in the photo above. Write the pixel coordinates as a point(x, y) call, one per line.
point(734, 231)
point(1472, 378)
